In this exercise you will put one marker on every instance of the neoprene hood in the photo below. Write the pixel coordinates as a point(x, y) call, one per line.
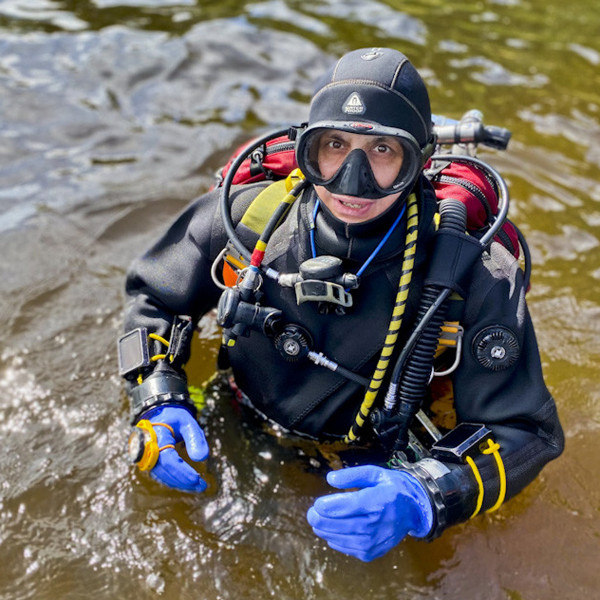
point(378, 86)
point(375, 92)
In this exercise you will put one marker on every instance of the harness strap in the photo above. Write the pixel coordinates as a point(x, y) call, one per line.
point(275, 198)
point(264, 205)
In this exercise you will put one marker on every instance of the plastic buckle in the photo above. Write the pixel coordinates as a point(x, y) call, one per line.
point(451, 334)
point(313, 290)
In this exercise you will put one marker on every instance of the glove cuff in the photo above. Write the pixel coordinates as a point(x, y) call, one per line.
point(159, 389)
point(450, 491)
point(428, 484)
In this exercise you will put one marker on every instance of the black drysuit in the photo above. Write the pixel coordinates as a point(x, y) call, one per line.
point(173, 278)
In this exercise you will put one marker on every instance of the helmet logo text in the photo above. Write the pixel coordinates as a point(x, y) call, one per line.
point(361, 126)
point(353, 105)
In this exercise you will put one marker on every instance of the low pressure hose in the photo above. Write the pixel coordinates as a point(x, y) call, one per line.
point(416, 375)
point(408, 261)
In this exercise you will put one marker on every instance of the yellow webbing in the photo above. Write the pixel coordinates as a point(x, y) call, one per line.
point(410, 247)
point(263, 206)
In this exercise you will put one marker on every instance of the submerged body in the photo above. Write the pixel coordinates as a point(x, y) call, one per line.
point(361, 185)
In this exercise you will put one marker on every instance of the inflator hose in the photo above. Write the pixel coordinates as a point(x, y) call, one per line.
point(226, 189)
point(416, 375)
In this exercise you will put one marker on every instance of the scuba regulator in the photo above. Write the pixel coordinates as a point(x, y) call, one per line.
point(320, 279)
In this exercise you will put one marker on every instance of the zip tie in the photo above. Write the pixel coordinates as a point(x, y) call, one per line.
point(493, 448)
point(479, 481)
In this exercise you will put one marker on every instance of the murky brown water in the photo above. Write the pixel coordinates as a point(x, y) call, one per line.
point(113, 115)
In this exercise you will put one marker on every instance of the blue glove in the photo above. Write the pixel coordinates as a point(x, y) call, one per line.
point(171, 469)
point(369, 522)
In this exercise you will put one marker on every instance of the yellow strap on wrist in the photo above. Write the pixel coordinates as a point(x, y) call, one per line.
point(162, 340)
point(479, 481)
point(493, 448)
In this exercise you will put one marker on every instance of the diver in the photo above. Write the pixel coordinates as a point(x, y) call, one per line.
point(313, 321)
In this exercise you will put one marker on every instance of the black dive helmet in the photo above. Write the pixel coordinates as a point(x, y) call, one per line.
point(377, 92)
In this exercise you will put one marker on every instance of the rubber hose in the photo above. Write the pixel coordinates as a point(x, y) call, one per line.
point(224, 205)
point(416, 374)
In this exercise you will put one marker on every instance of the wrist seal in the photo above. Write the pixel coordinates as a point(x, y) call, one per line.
point(160, 388)
point(450, 491)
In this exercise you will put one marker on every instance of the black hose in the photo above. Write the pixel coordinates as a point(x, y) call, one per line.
point(526, 256)
point(416, 374)
point(226, 188)
point(281, 210)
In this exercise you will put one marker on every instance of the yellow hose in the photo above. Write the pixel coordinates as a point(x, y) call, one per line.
point(408, 262)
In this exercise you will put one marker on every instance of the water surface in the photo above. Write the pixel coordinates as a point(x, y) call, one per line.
point(113, 116)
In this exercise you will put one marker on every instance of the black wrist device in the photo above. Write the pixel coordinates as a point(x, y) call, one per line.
point(465, 440)
point(133, 352)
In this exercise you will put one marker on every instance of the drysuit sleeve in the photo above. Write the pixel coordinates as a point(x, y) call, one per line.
point(168, 288)
point(499, 383)
point(172, 278)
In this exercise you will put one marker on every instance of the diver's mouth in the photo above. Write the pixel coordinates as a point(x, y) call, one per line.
point(351, 204)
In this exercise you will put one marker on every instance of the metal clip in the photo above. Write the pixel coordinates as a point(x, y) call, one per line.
point(451, 336)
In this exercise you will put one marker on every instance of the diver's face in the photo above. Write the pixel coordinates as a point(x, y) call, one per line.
point(385, 155)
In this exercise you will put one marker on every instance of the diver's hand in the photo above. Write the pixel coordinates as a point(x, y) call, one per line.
point(369, 522)
point(171, 469)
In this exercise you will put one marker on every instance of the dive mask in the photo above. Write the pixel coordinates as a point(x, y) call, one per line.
point(326, 160)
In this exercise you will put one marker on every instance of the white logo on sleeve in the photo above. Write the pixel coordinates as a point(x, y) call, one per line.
point(354, 105)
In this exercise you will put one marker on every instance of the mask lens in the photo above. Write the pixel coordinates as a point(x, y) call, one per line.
point(393, 159)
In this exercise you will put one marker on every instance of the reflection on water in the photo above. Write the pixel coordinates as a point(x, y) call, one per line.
point(113, 115)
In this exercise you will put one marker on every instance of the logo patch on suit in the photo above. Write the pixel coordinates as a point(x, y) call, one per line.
point(496, 348)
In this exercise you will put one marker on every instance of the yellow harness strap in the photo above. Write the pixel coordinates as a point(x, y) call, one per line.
point(263, 206)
